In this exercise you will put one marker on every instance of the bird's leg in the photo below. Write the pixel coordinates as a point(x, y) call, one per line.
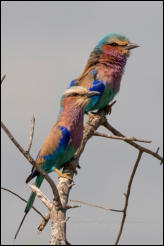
point(63, 175)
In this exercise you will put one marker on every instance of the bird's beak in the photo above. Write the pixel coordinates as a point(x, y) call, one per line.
point(92, 93)
point(131, 46)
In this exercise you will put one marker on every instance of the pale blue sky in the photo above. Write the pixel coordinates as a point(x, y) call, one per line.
point(44, 46)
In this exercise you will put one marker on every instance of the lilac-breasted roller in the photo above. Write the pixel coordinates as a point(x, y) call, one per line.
point(104, 69)
point(64, 138)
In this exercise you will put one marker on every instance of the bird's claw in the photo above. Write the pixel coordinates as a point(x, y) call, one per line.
point(63, 175)
point(92, 115)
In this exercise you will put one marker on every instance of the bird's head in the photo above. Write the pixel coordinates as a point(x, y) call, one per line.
point(115, 44)
point(78, 96)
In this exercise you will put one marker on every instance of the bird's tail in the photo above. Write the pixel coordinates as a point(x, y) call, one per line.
point(30, 202)
point(16, 234)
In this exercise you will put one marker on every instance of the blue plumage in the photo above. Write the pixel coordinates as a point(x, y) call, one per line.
point(51, 158)
point(66, 136)
point(73, 83)
point(97, 86)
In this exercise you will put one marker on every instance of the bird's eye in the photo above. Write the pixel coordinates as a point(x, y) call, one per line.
point(114, 44)
point(74, 94)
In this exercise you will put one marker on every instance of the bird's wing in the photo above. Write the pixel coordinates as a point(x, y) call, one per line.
point(52, 148)
point(90, 82)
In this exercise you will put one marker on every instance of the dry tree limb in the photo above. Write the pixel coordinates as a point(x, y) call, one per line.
point(96, 206)
point(120, 138)
point(127, 196)
point(44, 222)
point(41, 196)
point(75, 206)
point(15, 194)
point(47, 217)
point(31, 135)
point(58, 218)
point(157, 150)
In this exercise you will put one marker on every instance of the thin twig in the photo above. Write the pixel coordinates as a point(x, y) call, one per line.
point(157, 150)
point(127, 196)
point(75, 206)
point(120, 138)
point(15, 194)
point(96, 206)
point(31, 135)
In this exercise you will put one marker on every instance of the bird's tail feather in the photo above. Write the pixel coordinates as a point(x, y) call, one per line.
point(16, 234)
point(30, 202)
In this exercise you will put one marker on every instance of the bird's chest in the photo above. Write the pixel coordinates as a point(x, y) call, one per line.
point(110, 75)
point(111, 78)
point(77, 133)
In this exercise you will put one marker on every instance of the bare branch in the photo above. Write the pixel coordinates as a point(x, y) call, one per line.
point(31, 135)
point(75, 206)
point(120, 138)
point(41, 196)
point(93, 205)
point(64, 187)
point(157, 150)
point(15, 194)
point(44, 222)
point(94, 121)
point(127, 196)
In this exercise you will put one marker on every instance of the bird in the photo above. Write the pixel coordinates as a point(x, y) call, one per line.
point(104, 70)
point(64, 139)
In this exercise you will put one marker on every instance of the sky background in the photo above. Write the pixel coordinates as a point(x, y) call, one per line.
point(44, 46)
